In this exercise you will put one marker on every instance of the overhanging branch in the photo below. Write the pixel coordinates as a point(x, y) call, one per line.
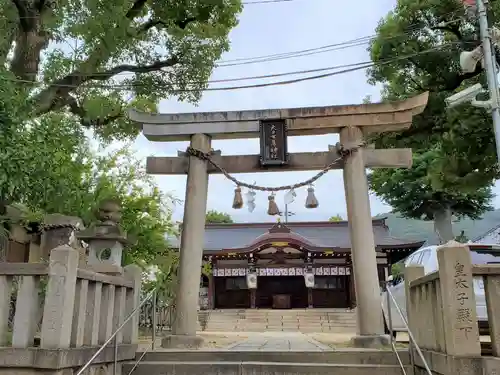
point(59, 91)
point(85, 121)
point(134, 69)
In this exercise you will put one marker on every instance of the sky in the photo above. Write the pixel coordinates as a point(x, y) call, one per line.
point(274, 28)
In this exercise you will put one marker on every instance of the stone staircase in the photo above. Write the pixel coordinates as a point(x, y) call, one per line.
point(223, 362)
point(295, 320)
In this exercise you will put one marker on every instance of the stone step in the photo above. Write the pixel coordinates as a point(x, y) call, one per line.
point(281, 314)
point(339, 318)
point(263, 324)
point(296, 320)
point(278, 312)
point(351, 356)
point(299, 322)
point(251, 368)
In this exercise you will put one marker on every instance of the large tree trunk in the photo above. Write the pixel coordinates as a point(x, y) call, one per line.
point(443, 225)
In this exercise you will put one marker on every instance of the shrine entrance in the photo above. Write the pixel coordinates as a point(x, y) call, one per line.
point(281, 292)
point(273, 126)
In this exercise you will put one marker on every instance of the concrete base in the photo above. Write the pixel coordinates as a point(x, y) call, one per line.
point(371, 341)
point(181, 342)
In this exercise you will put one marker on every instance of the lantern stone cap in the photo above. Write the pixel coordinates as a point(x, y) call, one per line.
point(107, 227)
point(106, 232)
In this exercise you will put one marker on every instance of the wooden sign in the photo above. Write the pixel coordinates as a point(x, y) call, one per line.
point(273, 143)
point(284, 271)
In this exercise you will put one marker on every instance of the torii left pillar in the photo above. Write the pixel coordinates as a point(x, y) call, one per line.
point(191, 251)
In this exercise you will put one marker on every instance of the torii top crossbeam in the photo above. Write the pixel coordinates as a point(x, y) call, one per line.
point(377, 117)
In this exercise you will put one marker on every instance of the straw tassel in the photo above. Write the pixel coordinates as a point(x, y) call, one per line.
point(273, 207)
point(311, 201)
point(238, 199)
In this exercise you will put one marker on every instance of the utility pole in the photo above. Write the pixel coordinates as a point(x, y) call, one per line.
point(287, 213)
point(490, 68)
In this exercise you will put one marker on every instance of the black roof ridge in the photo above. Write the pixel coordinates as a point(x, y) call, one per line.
point(380, 221)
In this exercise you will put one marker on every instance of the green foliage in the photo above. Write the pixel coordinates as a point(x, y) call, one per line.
point(216, 217)
point(163, 277)
point(454, 151)
point(146, 212)
point(206, 269)
point(397, 270)
point(337, 217)
point(411, 193)
point(76, 58)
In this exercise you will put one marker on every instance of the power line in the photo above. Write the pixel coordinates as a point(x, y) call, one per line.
point(353, 67)
point(326, 48)
point(266, 2)
point(310, 51)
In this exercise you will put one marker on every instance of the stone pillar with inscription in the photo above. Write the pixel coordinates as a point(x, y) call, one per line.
point(458, 301)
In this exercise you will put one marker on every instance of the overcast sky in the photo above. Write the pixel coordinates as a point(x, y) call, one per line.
point(279, 28)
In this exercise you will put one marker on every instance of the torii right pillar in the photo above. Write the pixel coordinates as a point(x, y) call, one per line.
point(369, 312)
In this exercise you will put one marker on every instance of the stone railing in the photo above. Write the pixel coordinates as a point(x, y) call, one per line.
point(78, 309)
point(442, 312)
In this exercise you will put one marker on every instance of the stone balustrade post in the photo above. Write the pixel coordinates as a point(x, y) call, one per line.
point(27, 307)
point(5, 293)
point(412, 273)
point(92, 315)
point(119, 311)
point(80, 312)
point(60, 298)
point(132, 300)
point(107, 312)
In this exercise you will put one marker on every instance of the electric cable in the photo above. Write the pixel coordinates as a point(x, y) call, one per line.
point(342, 45)
point(353, 67)
point(310, 51)
point(266, 2)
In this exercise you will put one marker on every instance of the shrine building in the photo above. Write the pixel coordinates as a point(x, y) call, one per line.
point(293, 265)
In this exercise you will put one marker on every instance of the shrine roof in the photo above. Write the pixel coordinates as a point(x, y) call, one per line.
point(320, 234)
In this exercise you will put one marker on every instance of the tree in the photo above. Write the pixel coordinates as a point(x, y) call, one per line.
point(81, 58)
point(146, 211)
point(337, 217)
point(410, 192)
point(216, 217)
point(417, 49)
point(38, 160)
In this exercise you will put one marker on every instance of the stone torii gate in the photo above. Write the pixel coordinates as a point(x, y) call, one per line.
point(353, 122)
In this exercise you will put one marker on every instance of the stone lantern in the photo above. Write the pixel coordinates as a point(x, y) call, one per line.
point(105, 239)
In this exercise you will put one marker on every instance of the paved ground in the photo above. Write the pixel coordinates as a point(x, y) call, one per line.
point(263, 341)
point(283, 342)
